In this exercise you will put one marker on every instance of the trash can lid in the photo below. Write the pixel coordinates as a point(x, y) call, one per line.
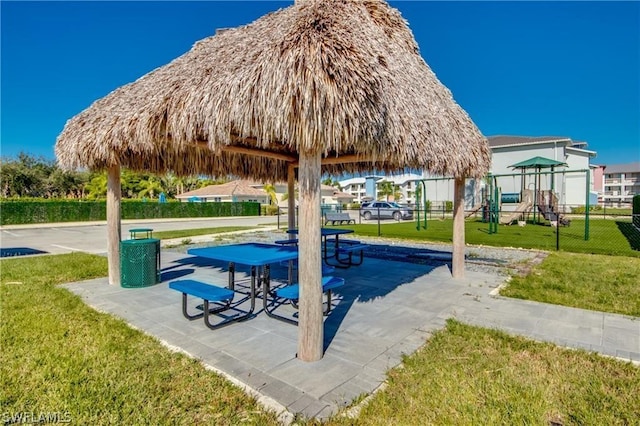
point(140, 241)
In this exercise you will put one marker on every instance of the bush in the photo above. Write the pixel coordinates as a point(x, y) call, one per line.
point(448, 206)
point(268, 210)
point(20, 211)
point(636, 210)
point(582, 209)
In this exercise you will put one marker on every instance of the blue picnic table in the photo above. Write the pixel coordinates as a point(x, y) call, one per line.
point(259, 256)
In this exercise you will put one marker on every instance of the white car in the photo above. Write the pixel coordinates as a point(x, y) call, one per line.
point(385, 210)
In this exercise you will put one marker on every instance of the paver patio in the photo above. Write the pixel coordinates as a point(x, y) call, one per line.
point(386, 309)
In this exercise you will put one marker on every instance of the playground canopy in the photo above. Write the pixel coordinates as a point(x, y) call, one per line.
point(538, 163)
point(323, 86)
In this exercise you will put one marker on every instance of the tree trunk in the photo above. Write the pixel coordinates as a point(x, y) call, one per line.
point(310, 324)
point(457, 267)
point(113, 223)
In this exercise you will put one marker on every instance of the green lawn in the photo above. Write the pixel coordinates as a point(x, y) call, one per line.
point(606, 236)
point(58, 355)
point(588, 281)
point(182, 233)
point(473, 376)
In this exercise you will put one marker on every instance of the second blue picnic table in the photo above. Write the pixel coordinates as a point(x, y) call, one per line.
point(325, 233)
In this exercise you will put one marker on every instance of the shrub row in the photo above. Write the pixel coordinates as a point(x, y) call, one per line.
point(583, 209)
point(636, 210)
point(13, 212)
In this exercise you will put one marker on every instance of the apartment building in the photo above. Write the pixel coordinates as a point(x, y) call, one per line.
point(364, 188)
point(571, 186)
point(621, 183)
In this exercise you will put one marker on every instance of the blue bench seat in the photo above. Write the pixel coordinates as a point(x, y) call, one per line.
point(221, 296)
point(204, 291)
point(293, 291)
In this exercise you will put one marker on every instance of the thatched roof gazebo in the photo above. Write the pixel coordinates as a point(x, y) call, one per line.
point(321, 86)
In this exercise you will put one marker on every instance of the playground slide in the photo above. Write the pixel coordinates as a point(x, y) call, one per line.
point(473, 210)
point(552, 216)
point(521, 208)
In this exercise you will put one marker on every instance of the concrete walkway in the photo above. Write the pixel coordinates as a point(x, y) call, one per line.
point(386, 309)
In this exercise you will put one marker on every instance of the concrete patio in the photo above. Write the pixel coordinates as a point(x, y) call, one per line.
point(386, 309)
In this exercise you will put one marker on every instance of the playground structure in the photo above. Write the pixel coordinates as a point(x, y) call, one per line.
point(522, 209)
point(531, 204)
point(548, 207)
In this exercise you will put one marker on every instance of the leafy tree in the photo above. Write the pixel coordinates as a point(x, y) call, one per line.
point(130, 183)
point(387, 189)
point(176, 185)
point(28, 176)
point(25, 176)
point(66, 184)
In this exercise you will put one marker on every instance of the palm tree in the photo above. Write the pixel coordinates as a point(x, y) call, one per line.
point(97, 186)
point(270, 189)
point(150, 185)
point(331, 182)
point(387, 189)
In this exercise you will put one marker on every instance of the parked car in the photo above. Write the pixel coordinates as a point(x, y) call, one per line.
point(386, 210)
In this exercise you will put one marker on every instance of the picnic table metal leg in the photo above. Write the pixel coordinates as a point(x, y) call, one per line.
point(253, 278)
point(205, 308)
point(207, 311)
point(265, 303)
point(290, 273)
point(228, 321)
point(232, 276)
point(339, 263)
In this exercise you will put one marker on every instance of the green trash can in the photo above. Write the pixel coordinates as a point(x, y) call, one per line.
point(139, 262)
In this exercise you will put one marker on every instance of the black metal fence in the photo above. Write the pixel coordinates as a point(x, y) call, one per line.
point(597, 232)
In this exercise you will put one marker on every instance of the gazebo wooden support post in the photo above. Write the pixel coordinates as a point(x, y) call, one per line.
point(113, 223)
point(310, 321)
point(457, 266)
point(291, 201)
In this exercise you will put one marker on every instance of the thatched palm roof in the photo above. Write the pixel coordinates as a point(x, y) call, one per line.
point(342, 76)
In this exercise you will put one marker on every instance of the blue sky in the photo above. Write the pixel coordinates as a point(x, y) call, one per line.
point(520, 68)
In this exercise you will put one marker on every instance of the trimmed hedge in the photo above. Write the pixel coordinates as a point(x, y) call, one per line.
point(636, 210)
point(14, 212)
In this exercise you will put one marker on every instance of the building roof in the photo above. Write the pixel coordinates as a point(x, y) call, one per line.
point(504, 140)
point(623, 168)
point(579, 149)
point(351, 181)
point(339, 195)
point(236, 187)
point(324, 187)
